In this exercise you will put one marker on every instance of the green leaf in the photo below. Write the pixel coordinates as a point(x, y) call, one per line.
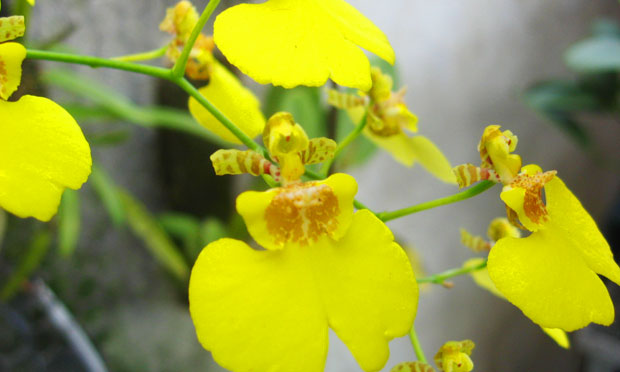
point(186, 229)
point(559, 95)
point(111, 138)
point(211, 230)
point(68, 223)
point(357, 152)
point(108, 194)
point(159, 244)
point(597, 54)
point(121, 107)
point(304, 103)
point(567, 123)
point(31, 260)
point(606, 27)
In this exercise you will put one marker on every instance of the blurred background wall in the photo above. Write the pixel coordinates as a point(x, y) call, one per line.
point(465, 63)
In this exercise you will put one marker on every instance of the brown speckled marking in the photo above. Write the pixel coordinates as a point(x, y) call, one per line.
point(302, 213)
point(533, 204)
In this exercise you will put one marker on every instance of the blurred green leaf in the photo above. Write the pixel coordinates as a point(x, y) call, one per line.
point(559, 95)
point(30, 261)
point(122, 108)
point(108, 194)
point(359, 151)
point(145, 226)
point(111, 138)
point(68, 222)
point(211, 230)
point(185, 228)
point(597, 54)
point(304, 103)
point(179, 225)
point(606, 27)
point(567, 123)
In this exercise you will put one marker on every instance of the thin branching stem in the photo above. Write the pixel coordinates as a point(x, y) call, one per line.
point(179, 67)
point(463, 195)
point(443, 276)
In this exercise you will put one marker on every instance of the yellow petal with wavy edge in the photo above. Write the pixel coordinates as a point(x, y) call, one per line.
point(546, 277)
point(481, 278)
point(368, 288)
point(253, 207)
point(567, 215)
point(257, 310)
point(234, 100)
point(43, 151)
point(270, 310)
point(301, 42)
point(11, 57)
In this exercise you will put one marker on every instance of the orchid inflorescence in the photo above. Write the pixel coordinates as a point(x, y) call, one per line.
point(325, 261)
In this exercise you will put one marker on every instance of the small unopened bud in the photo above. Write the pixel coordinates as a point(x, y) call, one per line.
point(412, 367)
point(453, 356)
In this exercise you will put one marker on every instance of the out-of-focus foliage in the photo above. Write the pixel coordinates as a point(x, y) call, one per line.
point(594, 90)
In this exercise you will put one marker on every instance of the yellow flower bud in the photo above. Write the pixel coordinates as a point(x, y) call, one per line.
point(381, 85)
point(285, 139)
point(412, 367)
point(502, 228)
point(495, 147)
point(180, 20)
point(453, 356)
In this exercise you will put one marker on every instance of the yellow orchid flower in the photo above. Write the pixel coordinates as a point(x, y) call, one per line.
point(234, 100)
point(453, 356)
point(42, 149)
point(323, 266)
point(551, 275)
point(293, 42)
point(387, 119)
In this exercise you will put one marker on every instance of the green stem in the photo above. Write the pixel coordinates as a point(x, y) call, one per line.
point(144, 56)
point(463, 195)
point(344, 143)
point(413, 336)
point(179, 67)
point(159, 72)
point(441, 277)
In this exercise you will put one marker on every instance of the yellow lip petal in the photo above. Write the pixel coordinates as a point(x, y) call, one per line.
point(235, 101)
point(573, 222)
point(11, 57)
point(270, 310)
point(546, 277)
point(257, 311)
point(292, 42)
point(278, 217)
point(43, 151)
point(365, 276)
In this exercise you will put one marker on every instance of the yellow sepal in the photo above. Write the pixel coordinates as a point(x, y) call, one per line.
point(11, 57)
point(292, 42)
point(235, 101)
